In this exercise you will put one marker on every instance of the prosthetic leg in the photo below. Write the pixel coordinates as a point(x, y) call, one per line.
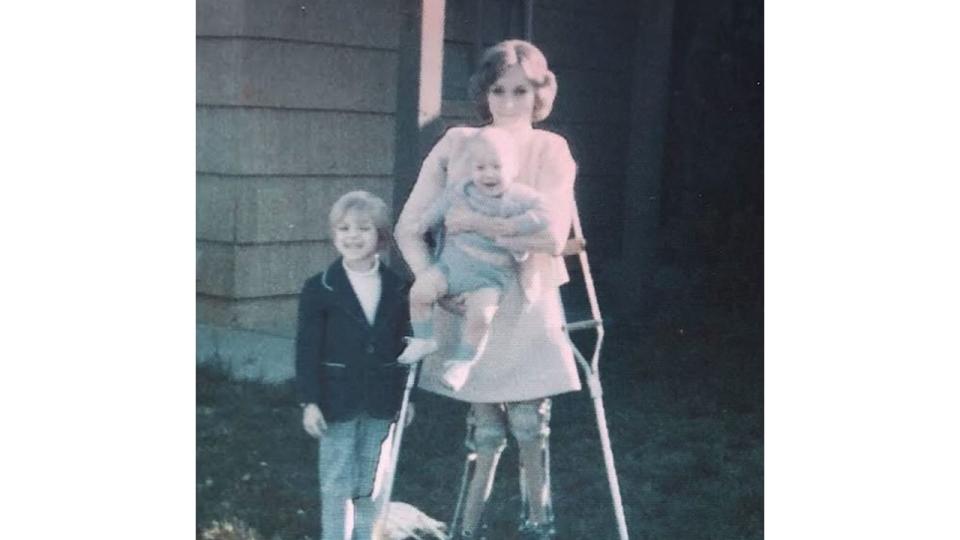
point(536, 507)
point(473, 466)
point(484, 448)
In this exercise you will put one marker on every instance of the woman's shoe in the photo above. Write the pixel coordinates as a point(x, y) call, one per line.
point(537, 531)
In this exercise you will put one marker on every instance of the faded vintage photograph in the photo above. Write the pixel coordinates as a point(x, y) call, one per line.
point(479, 269)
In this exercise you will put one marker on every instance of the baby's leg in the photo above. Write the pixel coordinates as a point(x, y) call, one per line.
point(426, 290)
point(481, 306)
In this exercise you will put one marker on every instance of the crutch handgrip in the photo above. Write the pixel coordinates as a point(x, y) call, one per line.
point(574, 246)
point(583, 325)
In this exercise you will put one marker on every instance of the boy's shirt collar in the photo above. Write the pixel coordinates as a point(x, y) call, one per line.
point(335, 280)
point(363, 273)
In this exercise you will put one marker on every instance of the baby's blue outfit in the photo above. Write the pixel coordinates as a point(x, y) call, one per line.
point(465, 272)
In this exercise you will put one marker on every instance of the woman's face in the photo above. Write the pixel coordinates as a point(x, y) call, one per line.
point(511, 98)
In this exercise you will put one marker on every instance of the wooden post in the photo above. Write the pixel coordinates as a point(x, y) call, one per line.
point(419, 91)
point(431, 61)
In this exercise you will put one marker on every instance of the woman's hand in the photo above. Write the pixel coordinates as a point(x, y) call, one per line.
point(460, 219)
point(541, 242)
point(456, 304)
point(313, 422)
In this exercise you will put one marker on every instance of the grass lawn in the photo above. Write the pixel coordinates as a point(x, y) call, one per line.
point(684, 407)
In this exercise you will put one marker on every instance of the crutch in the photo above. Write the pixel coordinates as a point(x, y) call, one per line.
point(384, 506)
point(576, 245)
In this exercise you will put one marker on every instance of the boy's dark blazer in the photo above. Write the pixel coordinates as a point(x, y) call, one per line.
point(344, 364)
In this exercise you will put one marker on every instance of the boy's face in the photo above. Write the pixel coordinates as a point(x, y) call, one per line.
point(492, 172)
point(355, 237)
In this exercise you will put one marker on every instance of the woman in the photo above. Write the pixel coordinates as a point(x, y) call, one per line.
point(527, 358)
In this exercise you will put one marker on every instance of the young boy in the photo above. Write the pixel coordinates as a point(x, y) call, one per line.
point(472, 264)
point(352, 321)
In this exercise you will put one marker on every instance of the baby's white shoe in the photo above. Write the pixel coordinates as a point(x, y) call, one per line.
point(416, 349)
point(455, 374)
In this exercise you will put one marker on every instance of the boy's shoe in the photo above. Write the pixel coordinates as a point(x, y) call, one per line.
point(416, 349)
point(479, 534)
point(537, 534)
point(455, 374)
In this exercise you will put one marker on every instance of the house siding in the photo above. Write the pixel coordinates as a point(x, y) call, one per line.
point(296, 105)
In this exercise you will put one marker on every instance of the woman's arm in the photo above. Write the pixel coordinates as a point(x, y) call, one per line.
point(428, 188)
point(529, 213)
point(554, 181)
point(459, 218)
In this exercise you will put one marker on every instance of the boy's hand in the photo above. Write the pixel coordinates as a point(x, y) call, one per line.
point(411, 413)
point(313, 422)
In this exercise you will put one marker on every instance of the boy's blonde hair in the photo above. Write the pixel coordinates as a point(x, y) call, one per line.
point(497, 59)
point(369, 205)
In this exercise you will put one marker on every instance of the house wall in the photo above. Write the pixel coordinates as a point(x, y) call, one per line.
point(296, 104)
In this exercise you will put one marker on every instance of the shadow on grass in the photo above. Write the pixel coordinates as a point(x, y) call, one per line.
point(685, 411)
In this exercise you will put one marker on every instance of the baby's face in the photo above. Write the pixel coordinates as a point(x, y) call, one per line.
point(492, 172)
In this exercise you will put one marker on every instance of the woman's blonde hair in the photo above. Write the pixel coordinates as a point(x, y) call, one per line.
point(369, 205)
point(497, 59)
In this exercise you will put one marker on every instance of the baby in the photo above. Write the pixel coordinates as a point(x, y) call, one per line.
point(470, 264)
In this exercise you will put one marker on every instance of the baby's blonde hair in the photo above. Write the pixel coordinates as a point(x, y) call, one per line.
point(502, 143)
point(369, 205)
